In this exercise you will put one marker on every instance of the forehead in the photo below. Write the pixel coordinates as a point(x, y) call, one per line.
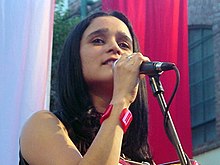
point(107, 22)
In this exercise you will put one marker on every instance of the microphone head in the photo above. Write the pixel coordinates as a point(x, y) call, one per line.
point(155, 67)
point(149, 69)
point(164, 66)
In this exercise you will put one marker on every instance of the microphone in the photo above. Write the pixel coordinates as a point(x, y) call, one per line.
point(155, 67)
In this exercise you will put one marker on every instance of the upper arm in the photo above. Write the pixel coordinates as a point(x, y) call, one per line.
point(44, 140)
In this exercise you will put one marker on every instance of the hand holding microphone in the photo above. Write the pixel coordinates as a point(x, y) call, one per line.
point(153, 68)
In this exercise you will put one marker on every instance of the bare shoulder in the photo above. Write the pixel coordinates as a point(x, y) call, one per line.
point(40, 123)
point(44, 137)
point(41, 119)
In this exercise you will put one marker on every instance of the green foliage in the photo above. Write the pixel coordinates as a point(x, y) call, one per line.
point(62, 25)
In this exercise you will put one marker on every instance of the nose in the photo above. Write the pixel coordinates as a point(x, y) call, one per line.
point(114, 48)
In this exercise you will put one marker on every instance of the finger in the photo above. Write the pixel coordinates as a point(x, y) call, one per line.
point(143, 57)
point(129, 57)
point(146, 59)
point(114, 64)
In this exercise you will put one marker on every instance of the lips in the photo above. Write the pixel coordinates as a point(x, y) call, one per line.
point(109, 61)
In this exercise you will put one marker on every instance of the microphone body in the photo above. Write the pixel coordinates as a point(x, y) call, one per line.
point(155, 67)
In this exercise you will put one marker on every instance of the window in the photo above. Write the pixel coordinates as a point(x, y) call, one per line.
point(202, 82)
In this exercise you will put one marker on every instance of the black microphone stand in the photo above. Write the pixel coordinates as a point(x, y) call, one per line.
point(158, 92)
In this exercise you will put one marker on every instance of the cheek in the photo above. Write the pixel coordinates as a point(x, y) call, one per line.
point(90, 57)
point(87, 64)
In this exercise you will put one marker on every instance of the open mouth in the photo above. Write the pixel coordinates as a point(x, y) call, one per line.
point(109, 62)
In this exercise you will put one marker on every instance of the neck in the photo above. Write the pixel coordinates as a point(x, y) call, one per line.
point(101, 99)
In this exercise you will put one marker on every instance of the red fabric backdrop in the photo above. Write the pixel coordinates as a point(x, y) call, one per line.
point(161, 27)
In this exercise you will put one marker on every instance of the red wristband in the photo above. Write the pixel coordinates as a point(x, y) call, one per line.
point(107, 113)
point(125, 117)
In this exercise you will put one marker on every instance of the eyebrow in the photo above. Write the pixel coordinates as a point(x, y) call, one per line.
point(124, 36)
point(105, 30)
point(98, 32)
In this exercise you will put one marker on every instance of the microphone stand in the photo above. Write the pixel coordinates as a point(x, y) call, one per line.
point(158, 92)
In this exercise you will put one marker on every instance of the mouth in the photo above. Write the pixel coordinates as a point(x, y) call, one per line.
point(109, 61)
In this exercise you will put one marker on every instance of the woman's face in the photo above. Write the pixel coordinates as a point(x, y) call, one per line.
point(103, 42)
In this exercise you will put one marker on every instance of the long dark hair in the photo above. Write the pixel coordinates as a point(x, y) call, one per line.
point(76, 109)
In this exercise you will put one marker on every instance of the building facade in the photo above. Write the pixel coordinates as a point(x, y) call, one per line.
point(204, 58)
point(84, 7)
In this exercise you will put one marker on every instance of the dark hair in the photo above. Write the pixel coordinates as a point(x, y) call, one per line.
point(77, 111)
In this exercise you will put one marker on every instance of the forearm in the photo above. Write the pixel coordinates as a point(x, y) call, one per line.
point(106, 147)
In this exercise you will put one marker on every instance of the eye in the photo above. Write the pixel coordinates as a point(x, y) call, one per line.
point(124, 45)
point(98, 41)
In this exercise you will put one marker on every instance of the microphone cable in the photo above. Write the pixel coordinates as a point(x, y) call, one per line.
point(166, 117)
point(172, 96)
